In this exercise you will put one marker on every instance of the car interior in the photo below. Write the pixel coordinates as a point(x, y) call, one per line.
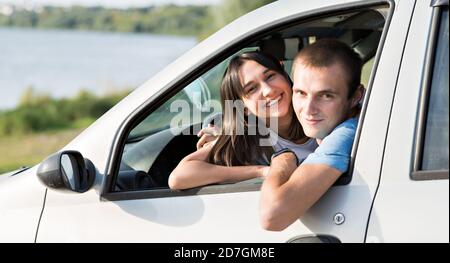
point(154, 148)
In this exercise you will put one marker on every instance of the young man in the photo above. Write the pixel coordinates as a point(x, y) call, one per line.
point(327, 91)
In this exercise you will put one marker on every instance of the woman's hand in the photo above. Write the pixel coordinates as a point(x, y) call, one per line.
point(208, 136)
point(264, 171)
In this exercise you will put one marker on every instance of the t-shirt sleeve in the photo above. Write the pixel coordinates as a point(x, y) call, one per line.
point(336, 148)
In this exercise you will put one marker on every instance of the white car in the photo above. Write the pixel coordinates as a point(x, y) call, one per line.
point(110, 183)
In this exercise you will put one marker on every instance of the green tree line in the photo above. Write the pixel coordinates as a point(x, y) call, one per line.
point(169, 19)
point(39, 112)
point(194, 20)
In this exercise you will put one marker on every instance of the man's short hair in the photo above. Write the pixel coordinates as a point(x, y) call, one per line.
point(326, 52)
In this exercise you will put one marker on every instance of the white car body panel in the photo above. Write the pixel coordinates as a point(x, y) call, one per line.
point(404, 208)
point(21, 201)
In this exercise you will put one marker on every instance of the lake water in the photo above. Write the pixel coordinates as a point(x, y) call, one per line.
point(61, 62)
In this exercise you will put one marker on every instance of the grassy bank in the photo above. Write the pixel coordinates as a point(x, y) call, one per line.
point(42, 125)
point(28, 150)
point(41, 113)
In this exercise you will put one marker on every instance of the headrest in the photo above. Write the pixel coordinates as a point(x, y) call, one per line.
point(274, 47)
point(281, 49)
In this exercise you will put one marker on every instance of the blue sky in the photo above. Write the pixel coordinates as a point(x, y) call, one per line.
point(108, 3)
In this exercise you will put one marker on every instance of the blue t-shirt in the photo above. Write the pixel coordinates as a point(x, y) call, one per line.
point(336, 148)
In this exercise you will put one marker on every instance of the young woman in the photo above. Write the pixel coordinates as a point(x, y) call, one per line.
point(260, 83)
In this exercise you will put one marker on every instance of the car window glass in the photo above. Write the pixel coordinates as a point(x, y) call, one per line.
point(435, 150)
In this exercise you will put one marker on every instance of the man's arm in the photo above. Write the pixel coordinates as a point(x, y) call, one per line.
point(287, 195)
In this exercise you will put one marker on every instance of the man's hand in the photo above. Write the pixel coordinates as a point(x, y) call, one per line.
point(208, 136)
point(285, 163)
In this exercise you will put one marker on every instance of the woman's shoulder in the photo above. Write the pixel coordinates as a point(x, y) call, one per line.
point(284, 143)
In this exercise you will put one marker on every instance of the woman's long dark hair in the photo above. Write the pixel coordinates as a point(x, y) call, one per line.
point(231, 148)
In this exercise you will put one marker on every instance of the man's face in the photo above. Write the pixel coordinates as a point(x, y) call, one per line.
point(320, 98)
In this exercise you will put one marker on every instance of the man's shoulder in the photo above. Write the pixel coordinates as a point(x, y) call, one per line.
point(340, 140)
point(344, 130)
point(335, 149)
point(349, 124)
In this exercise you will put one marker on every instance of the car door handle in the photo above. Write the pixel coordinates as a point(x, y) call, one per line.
point(314, 239)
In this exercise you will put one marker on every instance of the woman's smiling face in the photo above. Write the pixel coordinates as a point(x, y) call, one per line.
point(266, 93)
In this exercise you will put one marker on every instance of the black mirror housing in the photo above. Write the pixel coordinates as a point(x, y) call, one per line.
point(67, 170)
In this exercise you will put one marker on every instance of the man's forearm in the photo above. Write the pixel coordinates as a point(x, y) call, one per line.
point(282, 205)
point(272, 196)
point(278, 176)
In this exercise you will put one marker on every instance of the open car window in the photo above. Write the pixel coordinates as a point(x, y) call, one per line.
point(155, 145)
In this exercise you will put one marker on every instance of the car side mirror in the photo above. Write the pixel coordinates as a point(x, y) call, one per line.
point(67, 170)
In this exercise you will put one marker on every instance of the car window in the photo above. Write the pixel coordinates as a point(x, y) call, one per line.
point(155, 146)
point(435, 150)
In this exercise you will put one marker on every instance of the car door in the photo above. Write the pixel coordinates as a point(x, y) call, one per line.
point(229, 213)
point(412, 202)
